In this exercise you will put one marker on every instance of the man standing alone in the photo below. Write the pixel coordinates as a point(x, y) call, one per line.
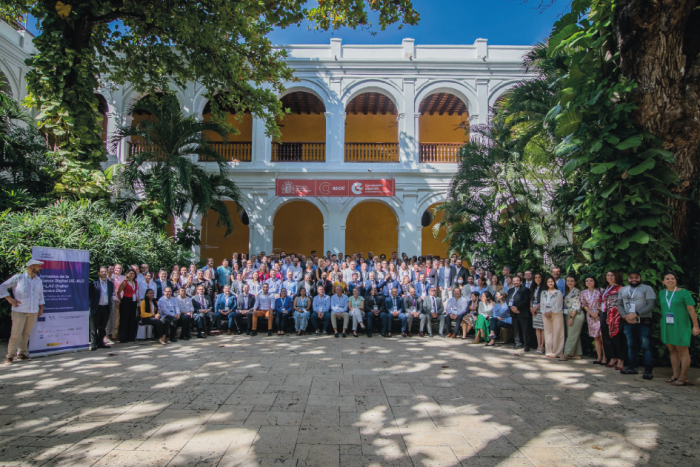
point(27, 306)
point(100, 294)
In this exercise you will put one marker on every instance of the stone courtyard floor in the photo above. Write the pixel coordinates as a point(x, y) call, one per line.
point(240, 401)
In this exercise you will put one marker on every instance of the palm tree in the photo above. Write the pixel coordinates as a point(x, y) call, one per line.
point(165, 176)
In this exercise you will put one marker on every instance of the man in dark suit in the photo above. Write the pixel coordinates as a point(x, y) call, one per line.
point(326, 284)
point(309, 285)
point(518, 301)
point(411, 306)
point(459, 272)
point(203, 314)
point(374, 307)
point(387, 284)
point(244, 307)
point(100, 297)
point(393, 308)
point(432, 309)
point(370, 283)
point(161, 283)
point(422, 286)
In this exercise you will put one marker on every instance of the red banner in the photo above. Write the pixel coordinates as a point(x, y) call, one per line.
point(354, 188)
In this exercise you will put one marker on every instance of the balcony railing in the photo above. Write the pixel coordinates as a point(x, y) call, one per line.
point(232, 151)
point(438, 153)
point(229, 150)
point(371, 152)
point(299, 152)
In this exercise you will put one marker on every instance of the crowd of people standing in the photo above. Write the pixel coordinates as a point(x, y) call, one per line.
point(338, 295)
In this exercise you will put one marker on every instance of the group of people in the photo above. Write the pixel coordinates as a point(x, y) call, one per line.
point(338, 295)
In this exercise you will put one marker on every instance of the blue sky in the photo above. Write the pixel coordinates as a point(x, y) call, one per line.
point(502, 22)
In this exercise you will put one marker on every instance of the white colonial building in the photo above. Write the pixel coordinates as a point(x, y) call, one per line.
point(369, 147)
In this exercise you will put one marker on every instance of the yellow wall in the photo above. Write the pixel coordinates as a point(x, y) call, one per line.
point(306, 128)
point(442, 128)
point(371, 128)
point(429, 244)
point(214, 244)
point(371, 226)
point(298, 228)
point(244, 126)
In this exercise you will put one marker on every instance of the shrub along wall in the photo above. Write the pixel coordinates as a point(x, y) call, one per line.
point(82, 225)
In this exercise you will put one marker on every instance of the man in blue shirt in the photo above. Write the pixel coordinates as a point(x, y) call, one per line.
point(283, 310)
point(321, 311)
point(223, 275)
point(501, 318)
point(339, 309)
point(561, 284)
point(355, 282)
point(388, 284)
point(393, 308)
point(225, 307)
point(290, 285)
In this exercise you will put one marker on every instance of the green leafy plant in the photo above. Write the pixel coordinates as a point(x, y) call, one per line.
point(157, 46)
point(165, 178)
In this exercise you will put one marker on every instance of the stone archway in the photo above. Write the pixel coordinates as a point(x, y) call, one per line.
point(371, 226)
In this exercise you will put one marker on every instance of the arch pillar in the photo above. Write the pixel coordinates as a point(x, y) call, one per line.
point(334, 228)
point(409, 223)
point(408, 134)
point(335, 136)
point(482, 94)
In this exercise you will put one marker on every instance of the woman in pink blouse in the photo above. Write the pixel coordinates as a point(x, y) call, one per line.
point(590, 301)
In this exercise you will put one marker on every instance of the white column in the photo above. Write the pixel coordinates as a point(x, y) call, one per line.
point(335, 136)
point(408, 137)
point(409, 226)
point(482, 95)
point(261, 147)
point(334, 227)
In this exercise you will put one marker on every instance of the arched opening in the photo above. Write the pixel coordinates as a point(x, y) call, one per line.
point(371, 129)
point(214, 244)
point(103, 109)
point(371, 226)
point(136, 144)
point(237, 147)
point(303, 130)
point(298, 228)
point(429, 244)
point(443, 127)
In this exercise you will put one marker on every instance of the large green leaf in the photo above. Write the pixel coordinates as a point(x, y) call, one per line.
point(646, 165)
point(640, 237)
point(601, 168)
point(631, 142)
point(568, 122)
point(605, 193)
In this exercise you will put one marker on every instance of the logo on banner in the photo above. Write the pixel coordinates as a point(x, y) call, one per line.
point(288, 188)
point(324, 188)
point(356, 188)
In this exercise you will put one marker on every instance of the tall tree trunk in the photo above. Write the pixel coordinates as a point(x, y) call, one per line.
point(659, 42)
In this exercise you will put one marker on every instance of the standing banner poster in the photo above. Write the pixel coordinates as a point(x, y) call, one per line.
point(64, 326)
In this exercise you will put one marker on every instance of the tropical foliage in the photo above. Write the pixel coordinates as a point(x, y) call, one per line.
point(165, 179)
point(25, 169)
point(500, 208)
point(156, 46)
point(83, 225)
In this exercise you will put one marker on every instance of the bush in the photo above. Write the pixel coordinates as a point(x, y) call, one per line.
point(82, 225)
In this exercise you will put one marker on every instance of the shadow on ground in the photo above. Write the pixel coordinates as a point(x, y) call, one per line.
point(240, 401)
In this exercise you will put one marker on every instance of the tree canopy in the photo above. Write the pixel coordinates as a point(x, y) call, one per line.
point(155, 45)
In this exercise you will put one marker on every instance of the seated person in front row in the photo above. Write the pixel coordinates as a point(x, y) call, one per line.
point(411, 307)
point(374, 306)
point(456, 308)
point(356, 305)
point(501, 318)
point(186, 310)
point(321, 311)
point(339, 310)
point(225, 307)
point(203, 315)
point(263, 308)
point(170, 312)
point(393, 308)
point(432, 308)
point(283, 309)
point(244, 307)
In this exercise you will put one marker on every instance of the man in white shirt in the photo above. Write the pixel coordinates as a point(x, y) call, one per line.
point(297, 271)
point(142, 275)
point(339, 309)
point(186, 311)
point(456, 308)
point(264, 304)
point(169, 312)
point(146, 284)
point(27, 306)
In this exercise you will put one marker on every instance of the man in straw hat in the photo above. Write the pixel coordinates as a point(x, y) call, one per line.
point(27, 306)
